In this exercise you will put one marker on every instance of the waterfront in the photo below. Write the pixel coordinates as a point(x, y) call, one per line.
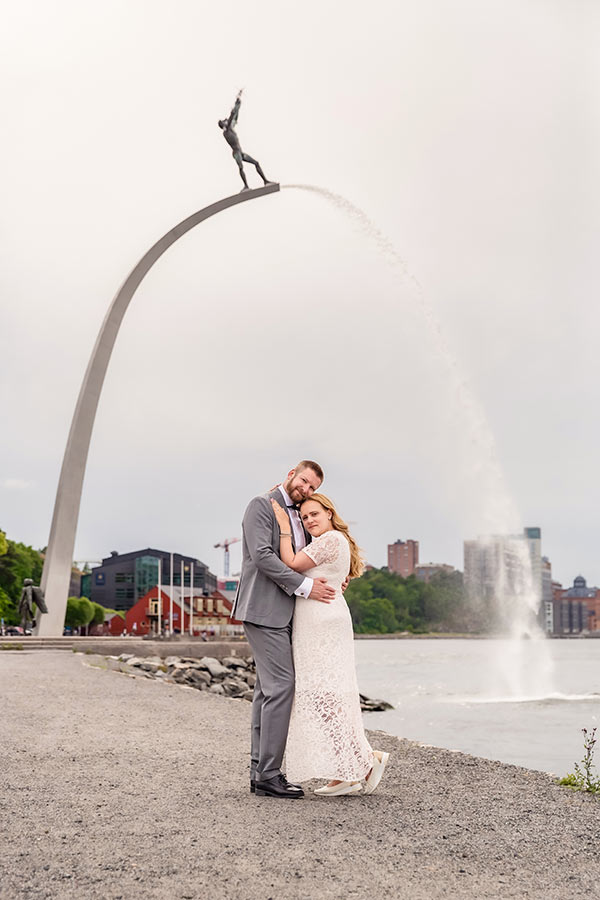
point(453, 694)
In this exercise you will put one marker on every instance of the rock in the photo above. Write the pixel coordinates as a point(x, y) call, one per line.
point(135, 660)
point(125, 656)
point(368, 705)
point(234, 662)
point(196, 676)
point(171, 660)
point(216, 689)
point(149, 666)
point(216, 669)
point(247, 695)
point(250, 678)
point(205, 661)
point(234, 688)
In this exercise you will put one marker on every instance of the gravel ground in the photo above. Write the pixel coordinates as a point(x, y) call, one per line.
point(119, 787)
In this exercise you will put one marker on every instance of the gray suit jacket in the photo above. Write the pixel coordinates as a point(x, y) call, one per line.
point(265, 594)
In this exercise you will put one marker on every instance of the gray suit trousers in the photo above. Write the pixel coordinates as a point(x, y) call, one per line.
point(273, 697)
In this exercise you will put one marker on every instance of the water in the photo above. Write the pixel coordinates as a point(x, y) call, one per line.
point(445, 693)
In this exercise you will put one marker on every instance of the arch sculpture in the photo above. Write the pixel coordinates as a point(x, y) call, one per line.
point(61, 543)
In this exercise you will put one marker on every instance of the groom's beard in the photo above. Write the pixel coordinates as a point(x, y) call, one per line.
point(294, 493)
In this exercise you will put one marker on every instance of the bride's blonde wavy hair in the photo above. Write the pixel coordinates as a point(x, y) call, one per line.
point(357, 565)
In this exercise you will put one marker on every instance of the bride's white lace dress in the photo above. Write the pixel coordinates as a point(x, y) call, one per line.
point(326, 738)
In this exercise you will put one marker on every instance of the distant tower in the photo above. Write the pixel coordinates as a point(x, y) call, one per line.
point(403, 557)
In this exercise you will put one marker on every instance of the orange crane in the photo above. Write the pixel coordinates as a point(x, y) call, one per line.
point(225, 544)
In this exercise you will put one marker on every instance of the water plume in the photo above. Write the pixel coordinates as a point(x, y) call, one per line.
point(516, 596)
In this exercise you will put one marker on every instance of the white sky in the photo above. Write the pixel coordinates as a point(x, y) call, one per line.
point(469, 134)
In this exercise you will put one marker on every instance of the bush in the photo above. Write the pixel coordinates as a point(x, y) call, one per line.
point(80, 612)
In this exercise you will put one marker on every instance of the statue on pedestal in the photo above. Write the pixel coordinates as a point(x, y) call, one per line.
point(30, 595)
point(228, 128)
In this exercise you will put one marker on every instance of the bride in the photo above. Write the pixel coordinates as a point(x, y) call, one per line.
point(326, 738)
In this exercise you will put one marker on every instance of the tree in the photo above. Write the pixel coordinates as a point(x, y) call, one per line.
point(17, 563)
point(80, 612)
point(99, 614)
point(381, 602)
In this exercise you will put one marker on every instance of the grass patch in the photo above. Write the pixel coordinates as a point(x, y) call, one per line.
point(11, 647)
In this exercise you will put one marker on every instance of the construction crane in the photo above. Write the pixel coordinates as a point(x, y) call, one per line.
point(225, 544)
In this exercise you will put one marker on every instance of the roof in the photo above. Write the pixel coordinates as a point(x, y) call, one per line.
point(149, 551)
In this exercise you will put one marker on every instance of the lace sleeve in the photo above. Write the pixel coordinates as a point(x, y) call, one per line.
point(324, 549)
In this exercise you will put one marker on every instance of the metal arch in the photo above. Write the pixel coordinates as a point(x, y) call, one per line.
point(61, 543)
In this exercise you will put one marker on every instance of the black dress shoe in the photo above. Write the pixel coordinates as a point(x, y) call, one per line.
point(278, 786)
point(253, 785)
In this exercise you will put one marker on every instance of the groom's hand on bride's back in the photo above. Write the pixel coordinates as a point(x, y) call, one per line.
point(322, 591)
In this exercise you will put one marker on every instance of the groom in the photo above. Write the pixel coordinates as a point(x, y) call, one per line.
point(265, 604)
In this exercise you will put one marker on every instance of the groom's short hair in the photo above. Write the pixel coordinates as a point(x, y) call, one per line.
point(310, 464)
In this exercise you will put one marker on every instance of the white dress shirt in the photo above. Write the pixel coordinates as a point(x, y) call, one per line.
point(299, 540)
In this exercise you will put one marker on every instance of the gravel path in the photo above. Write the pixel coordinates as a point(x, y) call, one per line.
point(120, 787)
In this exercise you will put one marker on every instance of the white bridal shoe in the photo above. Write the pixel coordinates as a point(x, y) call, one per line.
point(379, 764)
point(338, 790)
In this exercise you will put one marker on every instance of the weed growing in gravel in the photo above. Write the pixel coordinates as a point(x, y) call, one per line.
point(583, 779)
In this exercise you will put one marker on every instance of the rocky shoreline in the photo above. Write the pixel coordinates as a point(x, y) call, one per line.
point(231, 676)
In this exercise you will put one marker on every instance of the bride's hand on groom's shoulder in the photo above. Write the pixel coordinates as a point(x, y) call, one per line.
point(280, 514)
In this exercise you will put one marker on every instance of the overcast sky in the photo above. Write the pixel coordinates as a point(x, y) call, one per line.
point(468, 132)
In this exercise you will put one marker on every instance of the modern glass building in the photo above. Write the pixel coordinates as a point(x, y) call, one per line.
point(125, 577)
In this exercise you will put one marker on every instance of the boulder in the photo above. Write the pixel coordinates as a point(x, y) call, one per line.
point(250, 678)
point(234, 662)
point(233, 688)
point(216, 689)
point(135, 660)
point(149, 666)
point(368, 705)
point(171, 660)
point(247, 695)
point(216, 669)
point(197, 676)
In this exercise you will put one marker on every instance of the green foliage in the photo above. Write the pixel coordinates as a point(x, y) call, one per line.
point(99, 614)
point(583, 779)
point(382, 603)
point(11, 647)
point(80, 612)
point(17, 562)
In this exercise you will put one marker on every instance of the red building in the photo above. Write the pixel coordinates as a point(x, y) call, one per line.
point(209, 614)
point(403, 557)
